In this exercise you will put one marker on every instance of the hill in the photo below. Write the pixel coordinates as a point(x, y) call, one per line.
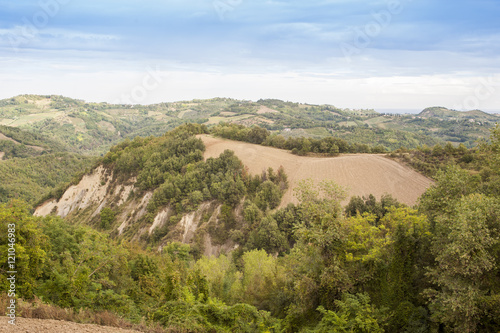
point(361, 174)
point(31, 164)
point(165, 189)
point(447, 114)
point(92, 128)
point(162, 234)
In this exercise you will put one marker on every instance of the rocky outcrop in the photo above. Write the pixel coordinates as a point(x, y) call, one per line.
point(83, 203)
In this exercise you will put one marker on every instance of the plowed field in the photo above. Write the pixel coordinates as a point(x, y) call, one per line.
point(360, 174)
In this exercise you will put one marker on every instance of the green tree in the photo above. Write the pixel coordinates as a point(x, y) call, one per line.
point(29, 243)
point(107, 218)
point(466, 254)
point(268, 195)
point(355, 314)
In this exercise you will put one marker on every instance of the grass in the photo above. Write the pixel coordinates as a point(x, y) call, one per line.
point(318, 132)
point(376, 121)
point(348, 123)
point(31, 118)
point(216, 120)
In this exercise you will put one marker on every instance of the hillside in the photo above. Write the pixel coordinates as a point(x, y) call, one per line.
point(186, 201)
point(92, 128)
point(444, 113)
point(31, 164)
point(361, 174)
point(163, 235)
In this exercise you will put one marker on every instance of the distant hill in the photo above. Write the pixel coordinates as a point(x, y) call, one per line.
point(444, 113)
point(92, 128)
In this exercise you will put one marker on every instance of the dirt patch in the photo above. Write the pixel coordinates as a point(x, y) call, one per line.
point(30, 325)
point(264, 109)
point(228, 113)
point(4, 137)
point(43, 103)
point(361, 174)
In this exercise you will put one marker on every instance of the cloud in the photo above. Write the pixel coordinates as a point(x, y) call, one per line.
point(285, 46)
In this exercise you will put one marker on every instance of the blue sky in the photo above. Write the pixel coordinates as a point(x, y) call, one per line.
point(382, 54)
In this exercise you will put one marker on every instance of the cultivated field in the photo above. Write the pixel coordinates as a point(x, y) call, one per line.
point(360, 174)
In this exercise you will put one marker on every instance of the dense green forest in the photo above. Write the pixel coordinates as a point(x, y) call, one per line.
point(372, 266)
point(33, 165)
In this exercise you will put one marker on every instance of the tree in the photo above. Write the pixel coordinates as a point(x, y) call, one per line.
point(355, 314)
point(30, 245)
point(258, 281)
point(466, 253)
point(451, 184)
point(269, 238)
point(107, 218)
point(268, 195)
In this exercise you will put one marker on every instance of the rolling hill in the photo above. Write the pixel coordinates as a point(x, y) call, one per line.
point(361, 174)
point(92, 128)
point(163, 189)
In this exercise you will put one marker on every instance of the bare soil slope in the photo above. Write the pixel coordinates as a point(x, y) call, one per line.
point(361, 174)
point(30, 325)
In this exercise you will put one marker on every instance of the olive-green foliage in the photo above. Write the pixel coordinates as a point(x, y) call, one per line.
point(330, 146)
point(25, 140)
point(358, 205)
point(466, 250)
point(268, 195)
point(107, 218)
point(267, 236)
point(86, 269)
point(355, 314)
point(29, 259)
point(31, 179)
point(214, 316)
point(451, 184)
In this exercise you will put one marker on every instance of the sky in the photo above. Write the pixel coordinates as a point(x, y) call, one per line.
point(380, 54)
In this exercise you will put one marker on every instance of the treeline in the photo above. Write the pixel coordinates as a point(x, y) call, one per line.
point(300, 146)
point(429, 160)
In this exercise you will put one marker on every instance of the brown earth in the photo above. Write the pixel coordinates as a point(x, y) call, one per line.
point(4, 137)
point(360, 174)
point(264, 109)
point(30, 325)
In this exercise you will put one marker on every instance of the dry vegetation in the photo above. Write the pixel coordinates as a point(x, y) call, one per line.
point(36, 316)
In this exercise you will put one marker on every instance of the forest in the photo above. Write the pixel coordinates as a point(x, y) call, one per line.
point(371, 266)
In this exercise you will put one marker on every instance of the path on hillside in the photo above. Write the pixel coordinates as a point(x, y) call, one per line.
point(361, 174)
